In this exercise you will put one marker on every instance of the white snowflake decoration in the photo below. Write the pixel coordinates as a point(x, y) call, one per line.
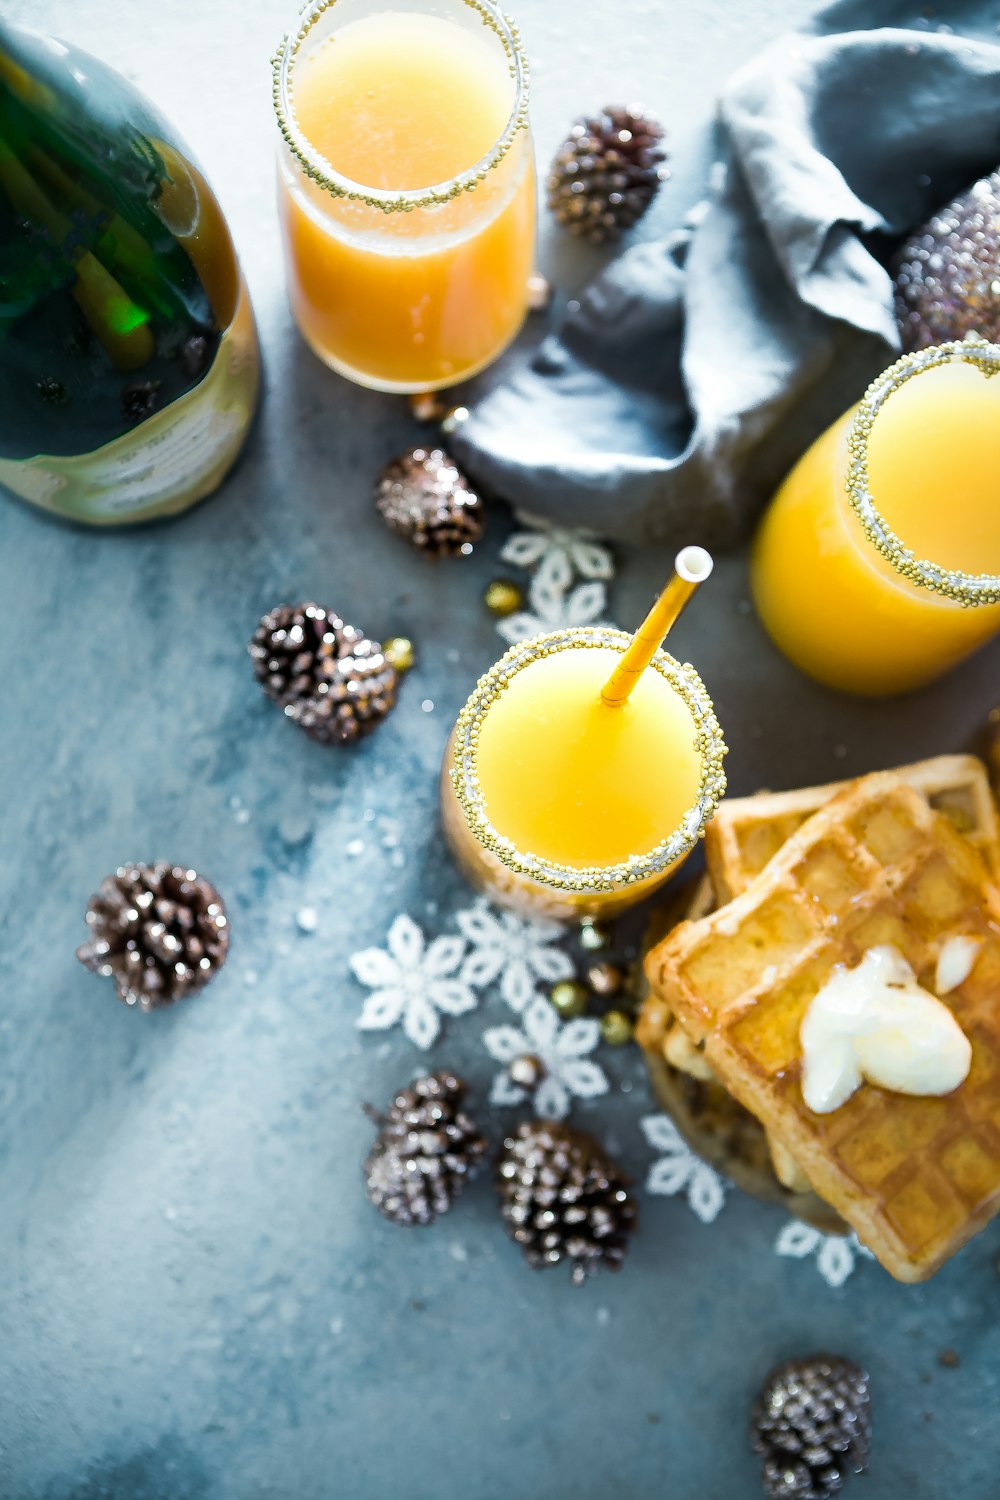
point(512, 949)
point(551, 608)
point(680, 1170)
point(412, 981)
point(836, 1254)
point(557, 552)
point(563, 1050)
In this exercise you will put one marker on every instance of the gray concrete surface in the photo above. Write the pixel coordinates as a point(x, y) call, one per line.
point(196, 1303)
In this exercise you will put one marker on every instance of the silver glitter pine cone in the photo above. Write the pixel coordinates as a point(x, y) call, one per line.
point(564, 1199)
point(327, 677)
point(160, 932)
point(423, 496)
point(606, 173)
point(812, 1425)
point(946, 277)
point(426, 1151)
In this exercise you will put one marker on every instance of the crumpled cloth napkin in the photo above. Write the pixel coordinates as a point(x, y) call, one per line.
point(697, 370)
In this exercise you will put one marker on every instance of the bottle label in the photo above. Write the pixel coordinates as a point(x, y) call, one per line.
point(174, 458)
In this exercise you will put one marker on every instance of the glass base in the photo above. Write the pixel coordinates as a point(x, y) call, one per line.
point(405, 387)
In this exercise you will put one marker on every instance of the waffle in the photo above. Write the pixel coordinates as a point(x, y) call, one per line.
point(915, 1177)
point(748, 831)
point(721, 1131)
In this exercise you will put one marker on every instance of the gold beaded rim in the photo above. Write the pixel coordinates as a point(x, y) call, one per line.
point(316, 167)
point(968, 589)
point(709, 743)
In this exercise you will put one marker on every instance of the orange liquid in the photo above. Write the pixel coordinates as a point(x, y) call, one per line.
point(831, 603)
point(417, 300)
point(576, 782)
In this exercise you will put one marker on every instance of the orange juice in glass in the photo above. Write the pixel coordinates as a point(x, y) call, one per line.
point(406, 187)
point(877, 566)
point(558, 804)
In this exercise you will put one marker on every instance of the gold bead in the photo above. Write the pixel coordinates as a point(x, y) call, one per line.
point(399, 653)
point(539, 293)
point(605, 979)
point(527, 1071)
point(594, 936)
point(616, 1028)
point(427, 406)
point(569, 997)
point(503, 597)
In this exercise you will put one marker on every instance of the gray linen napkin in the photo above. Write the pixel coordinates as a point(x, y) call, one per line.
point(697, 370)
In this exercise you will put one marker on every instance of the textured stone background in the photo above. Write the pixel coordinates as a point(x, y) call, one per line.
point(195, 1301)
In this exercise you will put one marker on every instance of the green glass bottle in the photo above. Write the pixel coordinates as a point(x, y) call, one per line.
point(129, 364)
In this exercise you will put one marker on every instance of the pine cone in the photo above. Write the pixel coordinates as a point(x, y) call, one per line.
point(425, 1152)
point(330, 679)
point(564, 1199)
point(426, 498)
point(812, 1423)
point(159, 931)
point(606, 173)
point(945, 275)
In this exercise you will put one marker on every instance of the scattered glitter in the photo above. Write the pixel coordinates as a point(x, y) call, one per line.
point(250, 978)
point(306, 920)
point(604, 1316)
point(428, 705)
point(457, 1251)
point(369, 814)
point(242, 815)
point(397, 859)
point(354, 848)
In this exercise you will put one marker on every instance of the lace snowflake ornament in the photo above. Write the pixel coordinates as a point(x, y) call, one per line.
point(557, 552)
point(563, 1049)
point(836, 1254)
point(512, 949)
point(681, 1170)
point(552, 608)
point(413, 982)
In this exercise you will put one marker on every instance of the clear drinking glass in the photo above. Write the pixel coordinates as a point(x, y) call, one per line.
point(877, 565)
point(687, 746)
point(405, 285)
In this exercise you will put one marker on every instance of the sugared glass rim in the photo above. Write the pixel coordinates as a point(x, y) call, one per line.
point(709, 744)
point(319, 170)
point(965, 588)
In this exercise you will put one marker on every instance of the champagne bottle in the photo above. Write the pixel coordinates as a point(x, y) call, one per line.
point(129, 363)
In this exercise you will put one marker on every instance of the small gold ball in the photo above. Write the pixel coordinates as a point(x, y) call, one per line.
point(605, 979)
point(569, 997)
point(399, 653)
point(527, 1071)
point(428, 406)
point(594, 936)
point(539, 292)
point(503, 597)
point(616, 1028)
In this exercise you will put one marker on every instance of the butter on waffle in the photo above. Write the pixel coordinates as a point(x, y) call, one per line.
point(916, 1177)
point(748, 831)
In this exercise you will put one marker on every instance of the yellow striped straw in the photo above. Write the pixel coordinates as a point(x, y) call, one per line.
point(692, 566)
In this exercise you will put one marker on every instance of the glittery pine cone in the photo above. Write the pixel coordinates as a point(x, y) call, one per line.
point(160, 932)
point(329, 679)
point(426, 1150)
point(426, 498)
point(812, 1424)
point(563, 1198)
point(606, 173)
point(946, 279)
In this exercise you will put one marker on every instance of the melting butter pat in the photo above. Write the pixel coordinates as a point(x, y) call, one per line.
point(876, 1022)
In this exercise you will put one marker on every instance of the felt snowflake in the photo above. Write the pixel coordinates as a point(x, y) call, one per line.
point(557, 552)
point(512, 949)
point(562, 1049)
point(412, 981)
point(551, 608)
point(836, 1254)
point(680, 1170)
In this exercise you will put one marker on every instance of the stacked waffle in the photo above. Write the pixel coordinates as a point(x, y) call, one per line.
point(801, 883)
